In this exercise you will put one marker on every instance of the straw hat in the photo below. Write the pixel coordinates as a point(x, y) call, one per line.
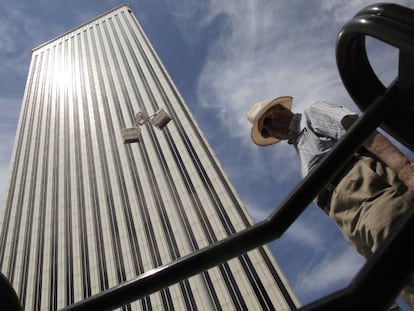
point(257, 111)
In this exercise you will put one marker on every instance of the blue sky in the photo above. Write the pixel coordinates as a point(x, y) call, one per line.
point(224, 56)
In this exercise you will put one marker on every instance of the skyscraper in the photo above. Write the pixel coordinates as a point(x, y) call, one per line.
point(84, 212)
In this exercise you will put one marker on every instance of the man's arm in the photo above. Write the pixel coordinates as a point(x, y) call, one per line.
point(388, 153)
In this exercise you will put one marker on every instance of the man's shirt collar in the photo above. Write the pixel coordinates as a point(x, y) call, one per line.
point(294, 128)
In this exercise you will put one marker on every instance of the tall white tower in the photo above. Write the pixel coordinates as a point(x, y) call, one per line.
point(84, 212)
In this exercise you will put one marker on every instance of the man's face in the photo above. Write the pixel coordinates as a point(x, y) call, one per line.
point(275, 122)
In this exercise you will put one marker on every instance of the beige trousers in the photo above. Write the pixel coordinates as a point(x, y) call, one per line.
point(366, 203)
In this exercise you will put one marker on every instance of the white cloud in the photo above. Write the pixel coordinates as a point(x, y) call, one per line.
point(260, 50)
point(342, 10)
point(265, 49)
point(307, 235)
point(330, 273)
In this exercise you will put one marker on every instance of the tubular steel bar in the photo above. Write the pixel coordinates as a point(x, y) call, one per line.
point(389, 267)
point(394, 25)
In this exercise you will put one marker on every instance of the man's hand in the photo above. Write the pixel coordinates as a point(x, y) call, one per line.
point(393, 157)
point(388, 153)
point(406, 175)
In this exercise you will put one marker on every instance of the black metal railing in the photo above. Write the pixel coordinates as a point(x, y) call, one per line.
point(394, 25)
point(391, 107)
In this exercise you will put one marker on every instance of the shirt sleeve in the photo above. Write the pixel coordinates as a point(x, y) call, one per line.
point(325, 119)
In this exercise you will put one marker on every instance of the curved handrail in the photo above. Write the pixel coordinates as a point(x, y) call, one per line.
point(394, 25)
point(389, 10)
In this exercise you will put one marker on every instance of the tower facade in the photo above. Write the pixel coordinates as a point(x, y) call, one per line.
point(84, 212)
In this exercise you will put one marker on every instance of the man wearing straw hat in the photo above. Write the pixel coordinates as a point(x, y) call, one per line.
point(367, 197)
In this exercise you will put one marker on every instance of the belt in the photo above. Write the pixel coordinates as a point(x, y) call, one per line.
point(324, 196)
